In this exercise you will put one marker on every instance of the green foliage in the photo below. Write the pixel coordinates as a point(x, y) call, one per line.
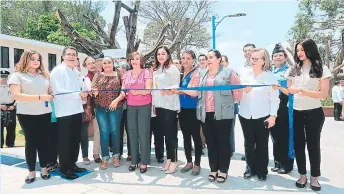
point(37, 20)
point(327, 101)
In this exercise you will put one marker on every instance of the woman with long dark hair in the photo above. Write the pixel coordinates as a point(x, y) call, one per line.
point(189, 123)
point(309, 81)
point(30, 87)
point(166, 103)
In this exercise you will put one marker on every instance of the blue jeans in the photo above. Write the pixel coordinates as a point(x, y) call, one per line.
point(232, 137)
point(109, 122)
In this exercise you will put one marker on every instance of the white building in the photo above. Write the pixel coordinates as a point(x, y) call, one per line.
point(12, 47)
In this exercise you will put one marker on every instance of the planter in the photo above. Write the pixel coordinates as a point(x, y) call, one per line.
point(328, 111)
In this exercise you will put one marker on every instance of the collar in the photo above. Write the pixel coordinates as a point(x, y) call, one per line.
point(283, 68)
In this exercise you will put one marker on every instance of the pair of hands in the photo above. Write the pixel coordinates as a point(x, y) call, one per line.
point(249, 88)
point(4, 107)
point(46, 97)
point(171, 92)
point(113, 105)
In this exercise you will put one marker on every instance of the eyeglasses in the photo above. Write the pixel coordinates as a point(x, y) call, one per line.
point(255, 59)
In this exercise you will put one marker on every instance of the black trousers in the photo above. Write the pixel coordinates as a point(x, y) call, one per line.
point(190, 128)
point(10, 129)
point(307, 130)
point(69, 130)
point(217, 133)
point(124, 126)
point(337, 110)
point(158, 138)
point(280, 137)
point(256, 144)
point(53, 144)
point(167, 121)
point(36, 130)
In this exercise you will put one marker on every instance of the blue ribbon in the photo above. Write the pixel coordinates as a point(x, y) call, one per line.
point(202, 88)
point(291, 152)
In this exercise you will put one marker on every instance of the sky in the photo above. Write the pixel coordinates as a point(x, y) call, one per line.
point(265, 24)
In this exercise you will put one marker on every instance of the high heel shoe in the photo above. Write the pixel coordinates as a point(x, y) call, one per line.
point(169, 171)
point(29, 180)
point(45, 177)
point(132, 168)
point(143, 170)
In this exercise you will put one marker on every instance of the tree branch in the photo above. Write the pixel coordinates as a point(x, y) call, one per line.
point(115, 22)
point(98, 29)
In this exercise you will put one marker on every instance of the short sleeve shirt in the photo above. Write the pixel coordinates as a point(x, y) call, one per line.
point(31, 85)
point(304, 81)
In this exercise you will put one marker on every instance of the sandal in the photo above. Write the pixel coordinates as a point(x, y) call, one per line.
point(97, 160)
point(104, 165)
point(222, 178)
point(116, 162)
point(212, 178)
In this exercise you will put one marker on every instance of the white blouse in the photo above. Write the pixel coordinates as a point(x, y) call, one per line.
point(260, 101)
point(305, 82)
point(166, 79)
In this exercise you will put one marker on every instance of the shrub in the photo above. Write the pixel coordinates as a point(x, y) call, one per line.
point(327, 101)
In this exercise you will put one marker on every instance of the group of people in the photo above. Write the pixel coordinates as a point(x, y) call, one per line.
point(153, 100)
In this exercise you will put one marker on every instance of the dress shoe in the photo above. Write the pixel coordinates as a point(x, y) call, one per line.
point(160, 160)
point(277, 167)
point(143, 170)
point(187, 168)
point(78, 169)
point(316, 188)
point(248, 173)
point(29, 180)
point(300, 185)
point(262, 177)
point(283, 171)
point(45, 177)
point(69, 175)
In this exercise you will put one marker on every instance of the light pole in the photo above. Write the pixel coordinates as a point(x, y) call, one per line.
point(215, 24)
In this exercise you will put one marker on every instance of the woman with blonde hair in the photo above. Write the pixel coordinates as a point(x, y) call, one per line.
point(30, 87)
point(258, 111)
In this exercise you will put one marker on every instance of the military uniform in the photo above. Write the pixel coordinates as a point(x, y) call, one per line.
point(8, 112)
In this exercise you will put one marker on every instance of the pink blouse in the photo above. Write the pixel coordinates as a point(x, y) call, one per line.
point(137, 82)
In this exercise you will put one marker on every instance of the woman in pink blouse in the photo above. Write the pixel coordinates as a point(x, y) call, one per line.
point(216, 111)
point(109, 107)
point(139, 105)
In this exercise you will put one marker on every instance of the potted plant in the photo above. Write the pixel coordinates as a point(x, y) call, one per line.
point(327, 104)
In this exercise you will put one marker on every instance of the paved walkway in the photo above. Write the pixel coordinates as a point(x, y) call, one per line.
point(120, 180)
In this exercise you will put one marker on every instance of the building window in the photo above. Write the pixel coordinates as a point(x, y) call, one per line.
point(17, 55)
point(5, 57)
point(52, 61)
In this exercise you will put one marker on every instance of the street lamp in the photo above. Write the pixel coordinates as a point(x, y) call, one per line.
point(215, 24)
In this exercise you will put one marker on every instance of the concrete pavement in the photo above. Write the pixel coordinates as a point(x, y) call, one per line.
point(120, 180)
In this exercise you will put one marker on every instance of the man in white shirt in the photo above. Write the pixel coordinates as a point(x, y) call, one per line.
point(337, 97)
point(224, 61)
point(247, 54)
point(67, 87)
point(202, 59)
